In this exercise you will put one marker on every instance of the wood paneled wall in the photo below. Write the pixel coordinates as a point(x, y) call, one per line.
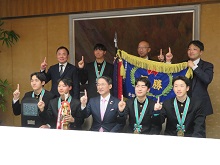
point(21, 8)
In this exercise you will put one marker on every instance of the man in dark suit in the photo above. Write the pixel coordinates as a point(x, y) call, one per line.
point(62, 70)
point(94, 70)
point(202, 75)
point(103, 108)
point(143, 114)
point(39, 93)
point(56, 110)
point(184, 115)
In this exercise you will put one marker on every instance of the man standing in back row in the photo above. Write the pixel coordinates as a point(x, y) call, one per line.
point(62, 70)
point(93, 70)
point(144, 50)
point(202, 75)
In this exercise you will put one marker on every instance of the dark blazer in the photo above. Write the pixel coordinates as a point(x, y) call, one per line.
point(69, 72)
point(151, 123)
point(194, 123)
point(111, 121)
point(75, 106)
point(42, 115)
point(88, 74)
point(202, 77)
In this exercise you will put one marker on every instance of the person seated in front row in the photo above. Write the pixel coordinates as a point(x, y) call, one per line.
point(184, 115)
point(64, 112)
point(39, 93)
point(103, 108)
point(142, 113)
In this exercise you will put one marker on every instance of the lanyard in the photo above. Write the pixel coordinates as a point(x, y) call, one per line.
point(102, 69)
point(59, 101)
point(42, 93)
point(180, 125)
point(137, 125)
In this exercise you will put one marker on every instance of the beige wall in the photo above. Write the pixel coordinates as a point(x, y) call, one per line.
point(41, 36)
point(210, 34)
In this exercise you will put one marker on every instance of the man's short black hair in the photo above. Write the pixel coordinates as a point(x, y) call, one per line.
point(197, 43)
point(145, 80)
point(66, 81)
point(100, 47)
point(39, 75)
point(63, 47)
point(106, 78)
point(183, 78)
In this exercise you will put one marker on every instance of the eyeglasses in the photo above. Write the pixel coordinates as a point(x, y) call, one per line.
point(101, 85)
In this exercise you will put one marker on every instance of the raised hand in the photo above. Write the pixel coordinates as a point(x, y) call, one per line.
point(121, 104)
point(161, 56)
point(81, 63)
point(169, 56)
point(41, 104)
point(84, 99)
point(43, 65)
point(16, 93)
point(157, 105)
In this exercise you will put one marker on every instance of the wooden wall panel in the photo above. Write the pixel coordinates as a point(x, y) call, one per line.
point(210, 34)
point(20, 8)
point(41, 36)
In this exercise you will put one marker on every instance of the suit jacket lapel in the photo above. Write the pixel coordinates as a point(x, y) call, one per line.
point(97, 104)
point(200, 64)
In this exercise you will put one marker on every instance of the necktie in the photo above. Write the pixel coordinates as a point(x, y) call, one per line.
point(61, 70)
point(103, 109)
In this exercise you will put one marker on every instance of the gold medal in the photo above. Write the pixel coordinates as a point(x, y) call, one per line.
point(136, 132)
point(180, 133)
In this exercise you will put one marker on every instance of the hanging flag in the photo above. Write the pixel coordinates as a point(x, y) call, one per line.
point(160, 75)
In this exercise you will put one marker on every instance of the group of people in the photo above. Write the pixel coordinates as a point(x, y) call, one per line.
point(184, 115)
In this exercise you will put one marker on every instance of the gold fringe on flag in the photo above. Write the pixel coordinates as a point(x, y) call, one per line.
point(153, 65)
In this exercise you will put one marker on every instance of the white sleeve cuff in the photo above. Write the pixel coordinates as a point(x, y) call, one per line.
point(14, 101)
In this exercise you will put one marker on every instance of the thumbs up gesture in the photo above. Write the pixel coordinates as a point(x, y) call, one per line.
point(81, 63)
point(84, 99)
point(169, 56)
point(157, 105)
point(43, 65)
point(16, 93)
point(121, 104)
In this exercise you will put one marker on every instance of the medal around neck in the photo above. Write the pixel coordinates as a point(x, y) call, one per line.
point(180, 126)
point(137, 125)
point(136, 131)
point(180, 133)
